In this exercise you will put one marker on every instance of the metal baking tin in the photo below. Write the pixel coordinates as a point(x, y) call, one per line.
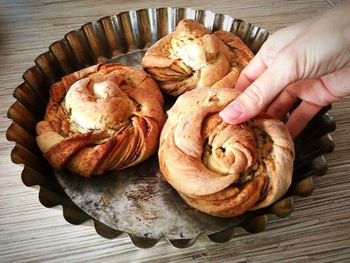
point(136, 200)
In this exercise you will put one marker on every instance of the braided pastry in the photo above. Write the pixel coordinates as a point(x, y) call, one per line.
point(192, 57)
point(221, 169)
point(105, 117)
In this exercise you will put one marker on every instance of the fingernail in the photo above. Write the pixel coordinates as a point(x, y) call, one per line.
point(231, 112)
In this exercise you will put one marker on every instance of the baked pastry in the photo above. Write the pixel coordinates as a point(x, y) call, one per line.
point(104, 117)
point(193, 57)
point(221, 169)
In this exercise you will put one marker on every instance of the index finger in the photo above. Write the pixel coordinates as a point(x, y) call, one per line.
point(267, 53)
point(251, 72)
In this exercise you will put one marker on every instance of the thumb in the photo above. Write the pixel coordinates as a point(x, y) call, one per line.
point(263, 90)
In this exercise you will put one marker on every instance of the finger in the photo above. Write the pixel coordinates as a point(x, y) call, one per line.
point(254, 69)
point(318, 92)
point(321, 91)
point(282, 104)
point(267, 54)
point(300, 117)
point(337, 83)
point(262, 91)
point(285, 101)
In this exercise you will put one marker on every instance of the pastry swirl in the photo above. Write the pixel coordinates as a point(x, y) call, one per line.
point(193, 57)
point(221, 169)
point(105, 117)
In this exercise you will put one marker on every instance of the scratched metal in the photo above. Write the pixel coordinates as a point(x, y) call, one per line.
point(136, 200)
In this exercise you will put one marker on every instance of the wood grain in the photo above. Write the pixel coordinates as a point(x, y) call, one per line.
point(318, 230)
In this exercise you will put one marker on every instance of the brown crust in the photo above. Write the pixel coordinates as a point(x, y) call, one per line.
point(220, 169)
point(123, 124)
point(218, 58)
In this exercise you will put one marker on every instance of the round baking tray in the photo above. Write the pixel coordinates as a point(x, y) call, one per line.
point(136, 200)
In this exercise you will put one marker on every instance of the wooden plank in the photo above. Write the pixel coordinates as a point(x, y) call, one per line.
point(318, 230)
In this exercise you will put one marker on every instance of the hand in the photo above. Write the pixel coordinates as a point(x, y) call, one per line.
point(308, 61)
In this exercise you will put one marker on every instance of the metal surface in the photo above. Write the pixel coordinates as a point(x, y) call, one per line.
point(136, 200)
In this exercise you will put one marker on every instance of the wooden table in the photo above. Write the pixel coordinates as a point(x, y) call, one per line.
point(317, 231)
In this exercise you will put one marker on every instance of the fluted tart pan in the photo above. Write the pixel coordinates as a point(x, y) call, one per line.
point(135, 200)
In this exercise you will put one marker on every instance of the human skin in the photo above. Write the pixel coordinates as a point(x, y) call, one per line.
point(309, 61)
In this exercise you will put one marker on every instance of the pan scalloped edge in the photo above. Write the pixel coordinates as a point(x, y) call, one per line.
point(114, 36)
